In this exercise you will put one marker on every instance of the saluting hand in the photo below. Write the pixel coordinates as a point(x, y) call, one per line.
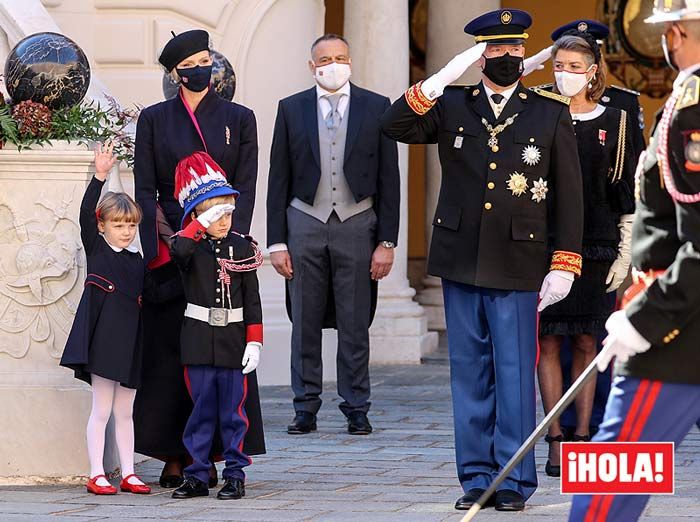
point(104, 160)
point(382, 261)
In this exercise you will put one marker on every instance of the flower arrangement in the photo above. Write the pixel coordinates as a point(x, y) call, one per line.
point(29, 123)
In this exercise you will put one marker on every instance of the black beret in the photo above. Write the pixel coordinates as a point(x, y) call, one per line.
point(182, 46)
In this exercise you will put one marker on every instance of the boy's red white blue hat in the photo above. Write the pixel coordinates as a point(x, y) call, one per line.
point(198, 178)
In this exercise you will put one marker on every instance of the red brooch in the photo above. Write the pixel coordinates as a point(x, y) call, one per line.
point(601, 136)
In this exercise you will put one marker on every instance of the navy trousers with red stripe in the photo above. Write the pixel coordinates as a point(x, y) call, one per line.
point(219, 395)
point(638, 410)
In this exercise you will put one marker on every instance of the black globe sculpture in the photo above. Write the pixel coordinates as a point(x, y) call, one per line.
point(48, 68)
point(223, 79)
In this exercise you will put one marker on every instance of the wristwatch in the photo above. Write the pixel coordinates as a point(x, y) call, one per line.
point(388, 244)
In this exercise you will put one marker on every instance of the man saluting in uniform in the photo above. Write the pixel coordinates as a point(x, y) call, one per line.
point(655, 395)
point(510, 172)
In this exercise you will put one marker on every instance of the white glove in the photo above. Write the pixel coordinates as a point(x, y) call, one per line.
point(433, 86)
point(213, 214)
point(251, 357)
point(534, 63)
point(555, 287)
point(623, 341)
point(620, 267)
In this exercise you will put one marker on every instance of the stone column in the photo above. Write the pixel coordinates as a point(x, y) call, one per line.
point(378, 34)
point(42, 269)
point(446, 38)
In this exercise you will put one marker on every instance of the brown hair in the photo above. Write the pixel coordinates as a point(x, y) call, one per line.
point(217, 200)
point(118, 206)
point(583, 47)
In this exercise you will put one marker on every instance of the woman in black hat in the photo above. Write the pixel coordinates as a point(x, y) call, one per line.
point(606, 156)
point(195, 120)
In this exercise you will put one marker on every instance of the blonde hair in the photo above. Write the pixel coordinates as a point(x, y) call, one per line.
point(217, 200)
point(118, 206)
point(580, 45)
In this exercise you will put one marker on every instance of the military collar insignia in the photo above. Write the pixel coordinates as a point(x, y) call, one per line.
point(517, 184)
point(523, 96)
point(475, 92)
point(539, 190)
point(691, 93)
point(531, 155)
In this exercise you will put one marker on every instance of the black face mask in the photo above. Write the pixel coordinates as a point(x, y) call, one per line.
point(195, 79)
point(504, 70)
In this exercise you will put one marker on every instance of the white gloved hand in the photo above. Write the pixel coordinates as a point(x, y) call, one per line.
point(620, 267)
point(623, 341)
point(555, 287)
point(534, 63)
point(433, 86)
point(251, 357)
point(213, 214)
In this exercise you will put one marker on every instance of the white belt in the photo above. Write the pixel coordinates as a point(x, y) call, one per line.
point(214, 316)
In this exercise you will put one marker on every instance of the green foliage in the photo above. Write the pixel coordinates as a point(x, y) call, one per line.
point(85, 124)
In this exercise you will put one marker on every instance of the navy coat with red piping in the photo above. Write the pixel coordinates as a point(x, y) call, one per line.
point(196, 256)
point(106, 336)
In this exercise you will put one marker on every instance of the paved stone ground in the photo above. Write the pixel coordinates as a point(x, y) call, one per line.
point(403, 472)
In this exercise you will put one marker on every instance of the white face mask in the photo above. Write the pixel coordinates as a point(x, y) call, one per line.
point(569, 83)
point(332, 76)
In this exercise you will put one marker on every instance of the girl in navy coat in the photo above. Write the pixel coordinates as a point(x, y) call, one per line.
point(104, 345)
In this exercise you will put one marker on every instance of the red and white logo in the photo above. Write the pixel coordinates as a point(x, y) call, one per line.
point(627, 468)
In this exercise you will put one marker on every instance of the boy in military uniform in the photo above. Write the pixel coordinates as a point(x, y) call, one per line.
point(655, 394)
point(221, 334)
point(510, 171)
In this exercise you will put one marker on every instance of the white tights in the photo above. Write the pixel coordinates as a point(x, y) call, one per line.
point(109, 397)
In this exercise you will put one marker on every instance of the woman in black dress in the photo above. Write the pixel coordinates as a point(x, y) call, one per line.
point(607, 166)
point(197, 119)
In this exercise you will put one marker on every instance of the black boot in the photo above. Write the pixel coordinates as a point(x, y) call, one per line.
point(233, 489)
point(192, 487)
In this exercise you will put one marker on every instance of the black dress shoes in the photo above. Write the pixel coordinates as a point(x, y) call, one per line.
point(170, 481)
point(233, 490)
point(304, 422)
point(358, 423)
point(466, 501)
point(191, 487)
point(509, 500)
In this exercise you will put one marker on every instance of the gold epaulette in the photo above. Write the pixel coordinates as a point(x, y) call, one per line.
point(552, 96)
point(691, 93)
point(625, 89)
point(544, 86)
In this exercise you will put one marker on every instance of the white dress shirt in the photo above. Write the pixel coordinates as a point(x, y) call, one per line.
point(325, 107)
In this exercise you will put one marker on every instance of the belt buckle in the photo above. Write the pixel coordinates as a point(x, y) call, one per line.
point(218, 316)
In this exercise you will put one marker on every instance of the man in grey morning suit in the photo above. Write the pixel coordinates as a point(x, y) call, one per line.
point(333, 219)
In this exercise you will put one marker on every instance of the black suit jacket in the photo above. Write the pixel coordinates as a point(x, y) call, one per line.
point(371, 160)
point(484, 233)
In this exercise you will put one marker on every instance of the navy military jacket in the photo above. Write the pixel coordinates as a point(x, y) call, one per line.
point(666, 236)
point(165, 134)
point(196, 257)
point(490, 229)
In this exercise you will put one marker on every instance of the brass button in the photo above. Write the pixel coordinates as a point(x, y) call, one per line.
point(439, 220)
point(532, 140)
point(491, 185)
point(217, 250)
point(492, 166)
point(488, 206)
point(676, 332)
point(667, 339)
point(532, 236)
point(218, 300)
point(218, 290)
point(494, 148)
point(460, 129)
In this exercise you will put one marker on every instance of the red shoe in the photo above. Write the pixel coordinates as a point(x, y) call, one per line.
point(93, 487)
point(139, 489)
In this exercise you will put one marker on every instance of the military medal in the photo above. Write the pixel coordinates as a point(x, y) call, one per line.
point(517, 184)
point(228, 136)
point(531, 155)
point(601, 136)
point(539, 190)
point(495, 131)
point(692, 152)
point(458, 142)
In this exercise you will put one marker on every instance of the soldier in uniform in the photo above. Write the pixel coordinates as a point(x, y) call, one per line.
point(656, 391)
point(510, 171)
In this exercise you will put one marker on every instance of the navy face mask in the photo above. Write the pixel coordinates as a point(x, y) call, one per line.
point(195, 79)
